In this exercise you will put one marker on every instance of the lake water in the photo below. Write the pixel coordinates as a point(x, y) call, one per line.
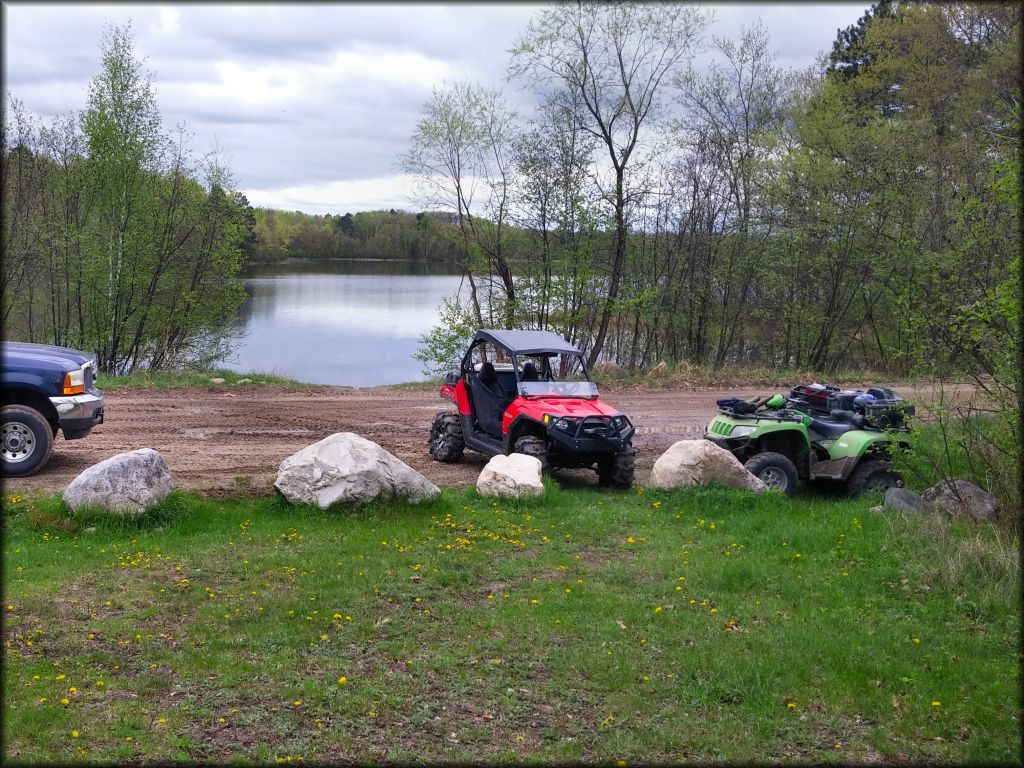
point(344, 322)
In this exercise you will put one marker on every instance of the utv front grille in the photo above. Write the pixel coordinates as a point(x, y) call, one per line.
point(596, 427)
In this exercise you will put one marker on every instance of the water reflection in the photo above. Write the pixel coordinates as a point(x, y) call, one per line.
point(343, 322)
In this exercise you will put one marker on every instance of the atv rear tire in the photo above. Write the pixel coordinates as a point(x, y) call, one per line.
point(617, 471)
point(446, 441)
point(776, 471)
point(533, 446)
point(872, 476)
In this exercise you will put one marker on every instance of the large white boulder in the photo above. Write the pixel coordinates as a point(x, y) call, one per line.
point(127, 483)
point(701, 462)
point(514, 475)
point(345, 467)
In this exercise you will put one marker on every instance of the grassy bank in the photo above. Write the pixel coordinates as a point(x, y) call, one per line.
point(590, 626)
point(180, 379)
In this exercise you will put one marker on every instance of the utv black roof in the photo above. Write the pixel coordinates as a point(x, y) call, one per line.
point(526, 342)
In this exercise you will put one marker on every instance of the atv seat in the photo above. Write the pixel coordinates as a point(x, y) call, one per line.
point(829, 430)
point(529, 372)
point(489, 399)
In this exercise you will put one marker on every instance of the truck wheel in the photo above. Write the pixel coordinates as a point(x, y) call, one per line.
point(617, 471)
point(446, 441)
point(872, 476)
point(533, 446)
point(776, 471)
point(26, 440)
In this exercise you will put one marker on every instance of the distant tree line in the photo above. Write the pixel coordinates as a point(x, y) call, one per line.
point(116, 240)
point(279, 235)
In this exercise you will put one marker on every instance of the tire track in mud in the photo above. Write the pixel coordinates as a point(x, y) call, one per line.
point(223, 440)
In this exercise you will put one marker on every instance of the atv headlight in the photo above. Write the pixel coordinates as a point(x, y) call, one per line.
point(742, 431)
point(566, 425)
point(620, 423)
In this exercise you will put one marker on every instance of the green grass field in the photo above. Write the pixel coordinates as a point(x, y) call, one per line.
point(587, 626)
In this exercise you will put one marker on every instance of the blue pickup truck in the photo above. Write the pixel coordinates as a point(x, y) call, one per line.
point(43, 389)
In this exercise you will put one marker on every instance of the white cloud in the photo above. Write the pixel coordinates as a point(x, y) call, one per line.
point(335, 197)
point(314, 104)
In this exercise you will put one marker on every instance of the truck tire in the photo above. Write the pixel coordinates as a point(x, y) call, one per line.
point(446, 441)
point(26, 440)
point(776, 471)
point(617, 471)
point(533, 446)
point(872, 476)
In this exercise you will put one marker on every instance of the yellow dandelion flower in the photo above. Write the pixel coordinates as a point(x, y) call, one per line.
point(65, 701)
point(342, 680)
point(936, 703)
point(74, 734)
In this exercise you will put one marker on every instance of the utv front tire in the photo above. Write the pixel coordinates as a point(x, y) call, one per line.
point(776, 471)
point(617, 471)
point(25, 440)
point(872, 476)
point(446, 441)
point(533, 446)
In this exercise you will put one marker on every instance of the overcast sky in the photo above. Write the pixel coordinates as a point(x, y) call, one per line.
point(313, 105)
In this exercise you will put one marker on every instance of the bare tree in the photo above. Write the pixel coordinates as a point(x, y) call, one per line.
point(461, 156)
point(617, 58)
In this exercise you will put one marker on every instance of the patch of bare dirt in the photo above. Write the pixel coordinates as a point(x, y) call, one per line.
point(231, 440)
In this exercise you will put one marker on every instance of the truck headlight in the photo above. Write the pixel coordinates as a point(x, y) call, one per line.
point(742, 431)
point(74, 382)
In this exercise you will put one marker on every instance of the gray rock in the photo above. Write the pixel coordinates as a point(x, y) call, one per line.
point(701, 462)
point(904, 500)
point(127, 483)
point(216, 380)
point(345, 467)
point(514, 475)
point(958, 497)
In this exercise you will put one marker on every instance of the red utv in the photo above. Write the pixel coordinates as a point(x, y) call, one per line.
point(530, 392)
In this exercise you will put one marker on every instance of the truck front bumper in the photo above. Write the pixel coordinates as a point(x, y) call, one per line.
point(79, 413)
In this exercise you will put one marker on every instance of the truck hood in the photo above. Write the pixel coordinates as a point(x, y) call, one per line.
point(41, 357)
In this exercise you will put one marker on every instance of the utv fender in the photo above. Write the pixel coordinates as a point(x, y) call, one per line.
point(521, 426)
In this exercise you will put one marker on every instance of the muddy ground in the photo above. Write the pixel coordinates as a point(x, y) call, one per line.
point(231, 439)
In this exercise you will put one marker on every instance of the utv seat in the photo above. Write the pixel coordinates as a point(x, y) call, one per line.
point(489, 399)
point(530, 372)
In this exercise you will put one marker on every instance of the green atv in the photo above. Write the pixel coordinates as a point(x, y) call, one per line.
point(781, 444)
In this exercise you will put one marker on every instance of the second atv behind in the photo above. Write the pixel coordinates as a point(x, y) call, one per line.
point(530, 392)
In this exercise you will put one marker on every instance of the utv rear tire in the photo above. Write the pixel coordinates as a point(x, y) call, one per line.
point(533, 446)
point(446, 440)
point(776, 471)
point(617, 471)
point(27, 440)
point(872, 476)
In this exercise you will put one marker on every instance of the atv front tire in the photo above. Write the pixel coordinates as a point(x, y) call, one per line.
point(776, 471)
point(533, 446)
point(872, 476)
point(446, 441)
point(617, 471)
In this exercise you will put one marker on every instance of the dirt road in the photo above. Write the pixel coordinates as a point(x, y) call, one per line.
point(228, 439)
